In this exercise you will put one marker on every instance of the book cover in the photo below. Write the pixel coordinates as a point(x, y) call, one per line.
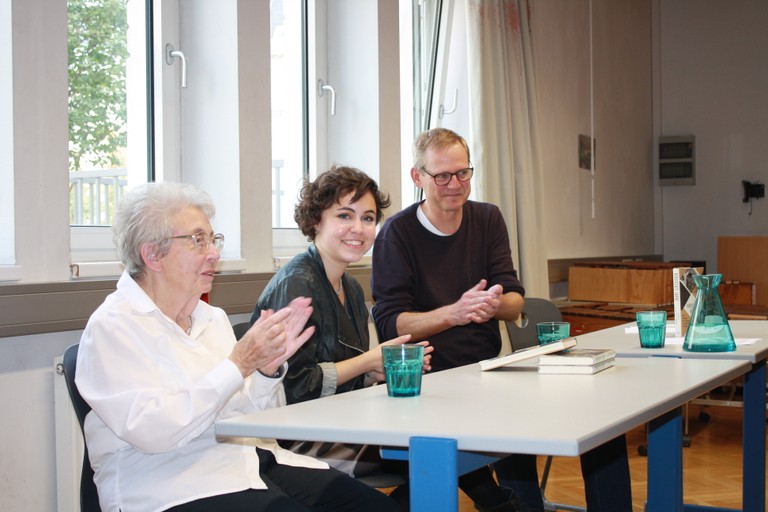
point(527, 353)
point(576, 369)
point(684, 297)
point(578, 357)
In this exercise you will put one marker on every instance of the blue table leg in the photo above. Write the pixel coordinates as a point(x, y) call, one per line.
point(753, 445)
point(665, 463)
point(433, 474)
point(754, 440)
point(434, 466)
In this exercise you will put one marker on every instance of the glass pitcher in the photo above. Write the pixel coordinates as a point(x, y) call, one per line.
point(708, 330)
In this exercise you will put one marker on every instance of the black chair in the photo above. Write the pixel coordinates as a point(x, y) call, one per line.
point(523, 336)
point(240, 329)
point(89, 496)
point(534, 311)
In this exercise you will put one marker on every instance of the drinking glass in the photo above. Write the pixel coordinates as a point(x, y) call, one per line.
point(549, 332)
point(652, 326)
point(402, 368)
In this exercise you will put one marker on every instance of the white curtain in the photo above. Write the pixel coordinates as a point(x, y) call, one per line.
point(504, 139)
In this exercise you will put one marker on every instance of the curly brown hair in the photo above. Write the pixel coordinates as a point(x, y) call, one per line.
point(317, 196)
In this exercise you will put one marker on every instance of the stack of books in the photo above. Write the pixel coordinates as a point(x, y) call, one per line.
point(584, 361)
point(527, 353)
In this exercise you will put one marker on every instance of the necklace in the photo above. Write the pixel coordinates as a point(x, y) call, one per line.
point(340, 289)
point(189, 329)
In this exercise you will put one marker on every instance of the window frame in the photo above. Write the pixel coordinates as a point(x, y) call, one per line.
point(40, 227)
point(8, 268)
point(92, 251)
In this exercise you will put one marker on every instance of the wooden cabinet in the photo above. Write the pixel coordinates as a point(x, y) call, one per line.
point(745, 258)
point(586, 317)
point(631, 282)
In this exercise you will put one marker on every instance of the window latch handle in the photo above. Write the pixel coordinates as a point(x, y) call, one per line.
point(450, 110)
point(170, 55)
point(321, 88)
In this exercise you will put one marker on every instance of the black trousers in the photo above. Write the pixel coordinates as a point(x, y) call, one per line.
point(605, 470)
point(295, 489)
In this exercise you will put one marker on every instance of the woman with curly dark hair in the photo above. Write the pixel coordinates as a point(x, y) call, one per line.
point(338, 212)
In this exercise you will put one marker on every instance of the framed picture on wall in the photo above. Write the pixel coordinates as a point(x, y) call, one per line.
point(586, 157)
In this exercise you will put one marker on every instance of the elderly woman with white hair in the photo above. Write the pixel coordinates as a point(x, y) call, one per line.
point(159, 367)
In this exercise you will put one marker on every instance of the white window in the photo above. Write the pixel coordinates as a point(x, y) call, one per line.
point(329, 75)
point(441, 85)
point(288, 65)
point(8, 269)
point(108, 126)
point(227, 144)
point(216, 132)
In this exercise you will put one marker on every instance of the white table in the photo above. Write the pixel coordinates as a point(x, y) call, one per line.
point(465, 418)
point(628, 344)
point(754, 428)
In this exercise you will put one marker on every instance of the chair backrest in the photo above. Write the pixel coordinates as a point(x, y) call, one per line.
point(534, 310)
point(240, 329)
point(89, 497)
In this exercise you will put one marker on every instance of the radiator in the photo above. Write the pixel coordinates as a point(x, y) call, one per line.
point(69, 445)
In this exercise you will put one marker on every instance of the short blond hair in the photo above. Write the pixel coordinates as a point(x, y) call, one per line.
point(436, 138)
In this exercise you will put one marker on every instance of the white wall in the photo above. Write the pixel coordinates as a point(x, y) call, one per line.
point(27, 474)
point(714, 84)
point(40, 139)
point(595, 83)
point(702, 75)
point(659, 67)
point(27, 441)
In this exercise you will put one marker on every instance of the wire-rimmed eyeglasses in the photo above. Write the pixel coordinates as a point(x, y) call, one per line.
point(204, 240)
point(444, 178)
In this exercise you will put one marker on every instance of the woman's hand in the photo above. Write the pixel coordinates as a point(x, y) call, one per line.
point(377, 373)
point(428, 349)
point(274, 338)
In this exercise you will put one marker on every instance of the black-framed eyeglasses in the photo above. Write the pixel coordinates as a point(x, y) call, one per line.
point(203, 240)
point(444, 178)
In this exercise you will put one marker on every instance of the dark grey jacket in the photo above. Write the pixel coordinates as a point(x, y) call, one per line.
point(311, 372)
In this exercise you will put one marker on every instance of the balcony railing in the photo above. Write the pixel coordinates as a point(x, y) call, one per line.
point(94, 195)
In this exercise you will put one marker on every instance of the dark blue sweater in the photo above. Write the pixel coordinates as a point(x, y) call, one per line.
point(415, 270)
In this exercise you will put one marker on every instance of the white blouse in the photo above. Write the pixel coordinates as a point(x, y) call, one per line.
point(156, 393)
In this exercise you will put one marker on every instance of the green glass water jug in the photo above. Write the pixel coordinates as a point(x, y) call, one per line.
point(708, 330)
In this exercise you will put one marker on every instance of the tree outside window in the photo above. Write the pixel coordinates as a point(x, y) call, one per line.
point(98, 52)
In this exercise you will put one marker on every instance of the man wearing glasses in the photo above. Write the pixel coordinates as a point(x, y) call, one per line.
point(443, 271)
point(442, 268)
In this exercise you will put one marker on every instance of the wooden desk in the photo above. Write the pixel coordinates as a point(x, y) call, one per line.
point(743, 258)
point(594, 316)
point(589, 317)
point(465, 418)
